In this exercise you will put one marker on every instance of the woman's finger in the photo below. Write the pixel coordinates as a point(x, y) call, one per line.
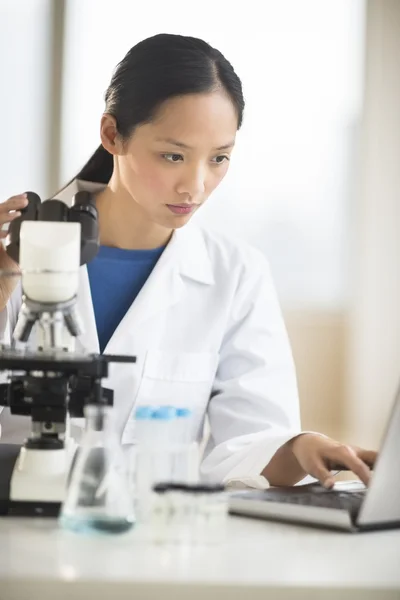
point(347, 456)
point(319, 470)
point(10, 209)
point(14, 203)
point(3, 234)
point(8, 217)
point(367, 456)
point(7, 208)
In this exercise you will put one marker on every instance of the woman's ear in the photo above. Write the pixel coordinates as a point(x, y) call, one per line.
point(109, 135)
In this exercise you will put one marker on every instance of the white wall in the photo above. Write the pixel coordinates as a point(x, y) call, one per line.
point(374, 324)
point(25, 44)
point(301, 67)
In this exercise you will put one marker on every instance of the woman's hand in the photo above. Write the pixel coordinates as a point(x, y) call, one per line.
point(318, 456)
point(9, 211)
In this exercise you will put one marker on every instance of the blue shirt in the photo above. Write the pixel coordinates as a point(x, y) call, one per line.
point(116, 277)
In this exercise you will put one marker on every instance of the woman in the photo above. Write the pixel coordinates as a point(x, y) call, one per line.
point(197, 309)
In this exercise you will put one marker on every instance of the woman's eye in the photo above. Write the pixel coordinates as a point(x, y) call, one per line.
point(220, 159)
point(173, 157)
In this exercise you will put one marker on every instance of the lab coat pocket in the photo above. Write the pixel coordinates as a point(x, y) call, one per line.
point(178, 378)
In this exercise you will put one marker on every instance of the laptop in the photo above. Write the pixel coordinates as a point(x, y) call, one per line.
point(349, 506)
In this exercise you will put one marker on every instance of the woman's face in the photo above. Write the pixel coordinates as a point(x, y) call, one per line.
point(170, 166)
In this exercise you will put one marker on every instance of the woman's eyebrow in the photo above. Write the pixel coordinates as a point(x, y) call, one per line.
point(186, 147)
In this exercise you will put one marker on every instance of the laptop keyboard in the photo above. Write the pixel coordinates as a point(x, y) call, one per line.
point(319, 497)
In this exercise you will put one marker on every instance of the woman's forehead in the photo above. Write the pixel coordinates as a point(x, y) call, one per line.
point(194, 117)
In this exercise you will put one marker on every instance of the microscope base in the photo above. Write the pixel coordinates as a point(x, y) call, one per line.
point(32, 482)
point(32, 509)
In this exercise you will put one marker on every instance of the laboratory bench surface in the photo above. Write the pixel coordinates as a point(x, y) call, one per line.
point(258, 559)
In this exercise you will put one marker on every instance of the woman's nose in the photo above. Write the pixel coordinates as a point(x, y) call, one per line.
point(193, 183)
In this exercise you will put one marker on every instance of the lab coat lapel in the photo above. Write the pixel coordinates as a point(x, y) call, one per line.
point(163, 289)
point(186, 256)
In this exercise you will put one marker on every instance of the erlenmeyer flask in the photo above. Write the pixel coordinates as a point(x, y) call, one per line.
point(98, 496)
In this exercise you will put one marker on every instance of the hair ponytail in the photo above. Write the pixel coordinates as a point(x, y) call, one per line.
point(98, 168)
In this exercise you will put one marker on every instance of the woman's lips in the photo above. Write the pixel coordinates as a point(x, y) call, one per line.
point(181, 209)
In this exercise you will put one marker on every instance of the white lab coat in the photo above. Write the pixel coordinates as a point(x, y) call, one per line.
point(208, 333)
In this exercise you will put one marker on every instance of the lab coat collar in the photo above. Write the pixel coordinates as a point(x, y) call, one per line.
point(187, 247)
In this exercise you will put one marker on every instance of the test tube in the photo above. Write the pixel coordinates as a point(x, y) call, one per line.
point(211, 513)
point(142, 471)
point(160, 514)
point(183, 467)
point(153, 456)
point(189, 514)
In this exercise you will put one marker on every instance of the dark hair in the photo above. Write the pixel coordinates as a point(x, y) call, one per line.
point(157, 69)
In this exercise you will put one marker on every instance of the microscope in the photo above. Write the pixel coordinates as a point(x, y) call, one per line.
point(47, 379)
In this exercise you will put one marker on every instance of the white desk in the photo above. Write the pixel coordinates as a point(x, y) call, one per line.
point(258, 560)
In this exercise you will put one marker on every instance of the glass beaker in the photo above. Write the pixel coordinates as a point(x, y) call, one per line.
point(98, 496)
